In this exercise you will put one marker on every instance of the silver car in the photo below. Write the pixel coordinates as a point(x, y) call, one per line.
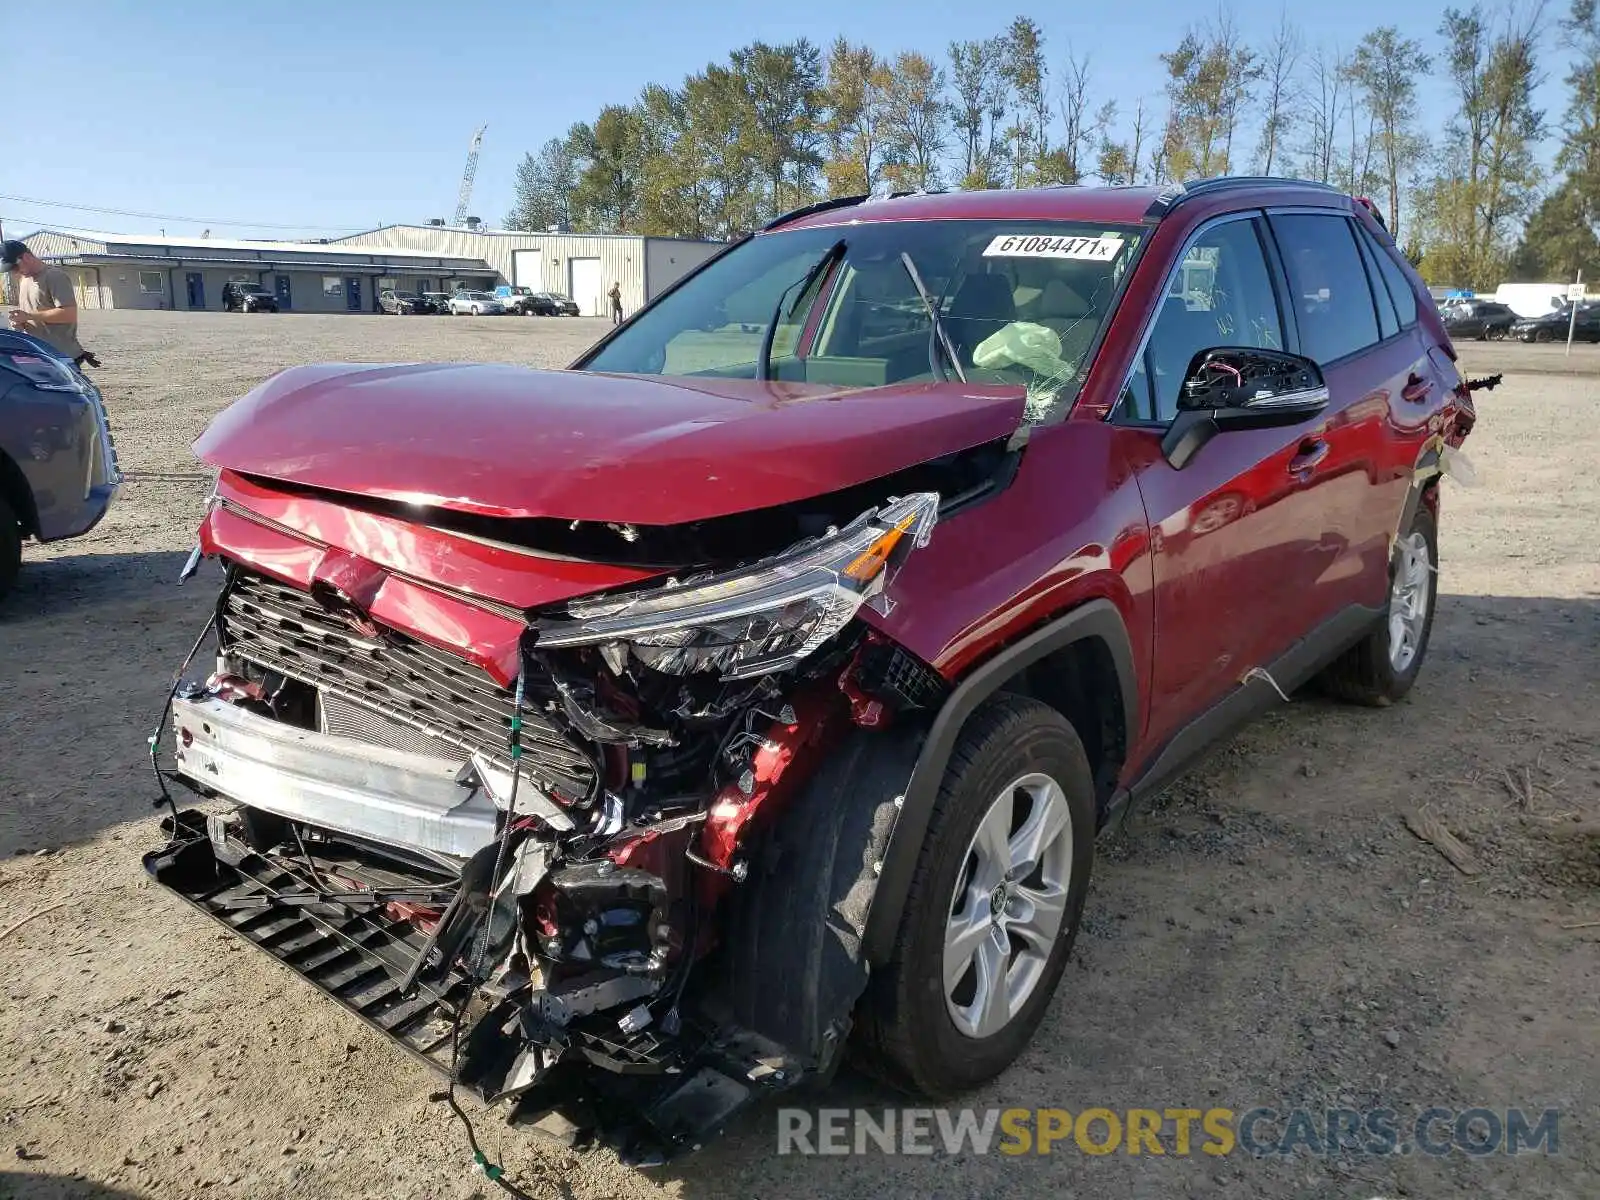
point(478, 304)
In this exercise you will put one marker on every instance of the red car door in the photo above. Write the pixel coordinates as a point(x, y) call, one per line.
point(1346, 321)
point(1234, 540)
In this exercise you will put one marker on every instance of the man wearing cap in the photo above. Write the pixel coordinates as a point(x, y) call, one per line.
point(45, 305)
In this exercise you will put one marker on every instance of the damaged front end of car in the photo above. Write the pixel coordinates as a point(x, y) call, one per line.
point(514, 851)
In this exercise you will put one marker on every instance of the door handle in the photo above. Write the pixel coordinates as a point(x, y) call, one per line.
point(1416, 389)
point(1306, 460)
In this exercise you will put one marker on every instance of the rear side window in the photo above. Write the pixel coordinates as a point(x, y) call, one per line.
point(1388, 322)
point(1327, 284)
point(1400, 289)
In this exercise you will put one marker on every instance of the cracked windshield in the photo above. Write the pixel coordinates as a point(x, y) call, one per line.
point(851, 306)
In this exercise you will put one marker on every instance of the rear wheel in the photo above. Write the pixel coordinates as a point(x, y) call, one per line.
point(1381, 668)
point(993, 908)
point(10, 547)
point(1496, 333)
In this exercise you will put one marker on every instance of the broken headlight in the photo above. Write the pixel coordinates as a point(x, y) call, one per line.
point(758, 620)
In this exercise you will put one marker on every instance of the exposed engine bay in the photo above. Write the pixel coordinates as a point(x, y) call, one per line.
point(524, 884)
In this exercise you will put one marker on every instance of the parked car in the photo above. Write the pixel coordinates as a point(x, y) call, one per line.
point(58, 463)
point(440, 302)
point(519, 299)
point(247, 297)
point(1480, 319)
point(1554, 326)
point(404, 304)
point(760, 684)
point(558, 304)
point(477, 304)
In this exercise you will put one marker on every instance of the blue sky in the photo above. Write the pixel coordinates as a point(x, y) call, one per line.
point(351, 113)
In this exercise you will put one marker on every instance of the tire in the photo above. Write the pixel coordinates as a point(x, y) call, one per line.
point(792, 968)
point(1369, 673)
point(909, 1035)
point(475, 311)
point(1496, 333)
point(10, 548)
point(1543, 335)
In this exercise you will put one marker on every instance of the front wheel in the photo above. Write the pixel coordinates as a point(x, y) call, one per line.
point(1381, 668)
point(993, 907)
point(1543, 335)
point(476, 311)
point(1496, 334)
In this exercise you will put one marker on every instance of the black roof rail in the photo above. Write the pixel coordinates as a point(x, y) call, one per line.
point(808, 209)
point(1174, 195)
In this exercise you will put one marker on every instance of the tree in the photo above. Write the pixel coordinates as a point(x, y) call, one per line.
point(916, 119)
point(691, 185)
point(1211, 75)
point(1559, 240)
point(980, 93)
point(1486, 178)
point(1579, 155)
point(1280, 99)
point(783, 88)
point(1022, 66)
point(606, 198)
point(1118, 162)
point(1082, 131)
point(1326, 97)
point(545, 184)
point(1385, 70)
point(855, 128)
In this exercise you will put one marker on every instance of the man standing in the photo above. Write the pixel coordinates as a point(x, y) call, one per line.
point(616, 302)
point(45, 306)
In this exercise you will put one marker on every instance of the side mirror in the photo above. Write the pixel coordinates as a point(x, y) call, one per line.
point(1239, 387)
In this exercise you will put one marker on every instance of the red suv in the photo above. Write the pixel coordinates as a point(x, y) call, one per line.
point(630, 739)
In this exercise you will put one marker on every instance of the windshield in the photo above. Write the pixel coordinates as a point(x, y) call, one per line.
point(1021, 303)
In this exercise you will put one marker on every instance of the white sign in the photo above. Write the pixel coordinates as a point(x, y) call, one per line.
point(1028, 245)
point(1575, 291)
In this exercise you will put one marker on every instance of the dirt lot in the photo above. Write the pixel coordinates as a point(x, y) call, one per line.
point(1269, 933)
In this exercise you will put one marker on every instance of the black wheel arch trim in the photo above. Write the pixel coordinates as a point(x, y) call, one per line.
point(1098, 619)
point(14, 486)
point(1424, 474)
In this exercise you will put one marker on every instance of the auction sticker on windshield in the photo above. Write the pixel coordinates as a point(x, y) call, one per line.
point(1013, 245)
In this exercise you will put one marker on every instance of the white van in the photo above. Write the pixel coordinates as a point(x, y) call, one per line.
point(1532, 299)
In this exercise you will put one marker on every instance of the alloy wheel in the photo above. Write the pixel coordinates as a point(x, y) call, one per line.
point(1410, 594)
point(1008, 905)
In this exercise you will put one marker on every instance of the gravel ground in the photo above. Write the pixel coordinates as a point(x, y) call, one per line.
point(1268, 933)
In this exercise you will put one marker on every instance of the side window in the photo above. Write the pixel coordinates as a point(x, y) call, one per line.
point(1221, 295)
point(1400, 288)
point(1327, 284)
point(1388, 322)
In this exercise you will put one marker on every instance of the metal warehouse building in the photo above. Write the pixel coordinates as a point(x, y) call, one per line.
point(584, 266)
point(148, 271)
point(111, 270)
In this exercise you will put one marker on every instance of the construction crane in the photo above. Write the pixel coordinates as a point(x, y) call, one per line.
point(465, 198)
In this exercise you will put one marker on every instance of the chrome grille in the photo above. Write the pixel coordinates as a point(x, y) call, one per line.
point(396, 678)
point(344, 719)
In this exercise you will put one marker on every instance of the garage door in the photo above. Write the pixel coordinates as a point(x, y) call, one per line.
point(588, 289)
point(527, 269)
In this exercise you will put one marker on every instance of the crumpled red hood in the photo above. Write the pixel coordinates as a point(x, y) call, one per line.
point(651, 450)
